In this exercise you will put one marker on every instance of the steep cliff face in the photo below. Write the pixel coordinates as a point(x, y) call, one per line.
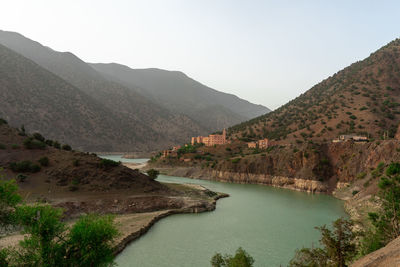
point(315, 168)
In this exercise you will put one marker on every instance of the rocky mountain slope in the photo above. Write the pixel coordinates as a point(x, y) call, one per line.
point(64, 170)
point(362, 98)
point(40, 100)
point(179, 93)
point(148, 125)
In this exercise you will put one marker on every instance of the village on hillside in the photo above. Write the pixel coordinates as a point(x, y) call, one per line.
point(214, 140)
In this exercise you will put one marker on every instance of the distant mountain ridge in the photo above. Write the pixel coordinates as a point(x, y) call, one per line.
point(151, 125)
point(177, 92)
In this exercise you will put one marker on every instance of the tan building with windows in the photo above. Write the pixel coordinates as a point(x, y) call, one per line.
point(212, 139)
point(262, 144)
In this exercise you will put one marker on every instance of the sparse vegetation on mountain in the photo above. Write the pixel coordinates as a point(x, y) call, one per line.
point(362, 98)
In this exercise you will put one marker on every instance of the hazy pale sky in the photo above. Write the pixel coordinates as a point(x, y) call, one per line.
point(267, 52)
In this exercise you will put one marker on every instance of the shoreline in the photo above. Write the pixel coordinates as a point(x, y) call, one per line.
point(295, 184)
point(131, 226)
point(129, 237)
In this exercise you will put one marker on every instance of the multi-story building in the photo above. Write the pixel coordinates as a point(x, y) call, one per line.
point(212, 139)
point(262, 144)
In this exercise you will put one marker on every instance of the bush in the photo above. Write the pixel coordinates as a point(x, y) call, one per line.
point(38, 137)
point(56, 145)
point(361, 175)
point(337, 247)
point(49, 142)
point(31, 143)
point(354, 192)
point(3, 121)
point(14, 146)
point(153, 174)
point(67, 147)
point(44, 161)
point(21, 177)
point(240, 259)
point(236, 160)
point(108, 163)
point(24, 166)
point(2, 146)
point(75, 162)
point(49, 241)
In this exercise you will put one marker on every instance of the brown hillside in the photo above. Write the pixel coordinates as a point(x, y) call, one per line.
point(362, 98)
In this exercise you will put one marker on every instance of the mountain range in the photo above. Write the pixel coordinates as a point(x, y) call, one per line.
point(108, 107)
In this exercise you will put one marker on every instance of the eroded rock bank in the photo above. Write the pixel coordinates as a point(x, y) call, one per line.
point(297, 184)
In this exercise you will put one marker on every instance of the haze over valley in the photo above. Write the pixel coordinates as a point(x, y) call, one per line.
point(199, 133)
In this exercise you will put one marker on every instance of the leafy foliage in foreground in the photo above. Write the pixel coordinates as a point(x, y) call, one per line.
point(240, 259)
point(337, 247)
point(49, 241)
point(386, 222)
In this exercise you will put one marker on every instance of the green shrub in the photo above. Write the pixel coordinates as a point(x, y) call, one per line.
point(38, 137)
point(354, 192)
point(31, 143)
point(56, 145)
point(66, 147)
point(14, 146)
point(3, 121)
point(21, 177)
point(24, 166)
point(107, 163)
point(49, 142)
point(361, 175)
point(235, 160)
point(240, 259)
point(198, 156)
point(153, 174)
point(44, 161)
point(2, 146)
point(75, 162)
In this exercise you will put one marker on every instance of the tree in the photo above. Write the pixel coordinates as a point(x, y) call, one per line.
point(386, 222)
point(153, 174)
point(240, 259)
point(45, 235)
point(89, 241)
point(48, 240)
point(338, 247)
point(9, 199)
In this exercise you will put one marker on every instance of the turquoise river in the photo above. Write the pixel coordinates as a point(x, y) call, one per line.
point(269, 223)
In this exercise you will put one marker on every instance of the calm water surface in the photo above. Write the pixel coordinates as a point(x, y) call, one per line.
point(120, 158)
point(270, 223)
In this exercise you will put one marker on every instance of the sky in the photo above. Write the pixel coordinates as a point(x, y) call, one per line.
point(267, 52)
